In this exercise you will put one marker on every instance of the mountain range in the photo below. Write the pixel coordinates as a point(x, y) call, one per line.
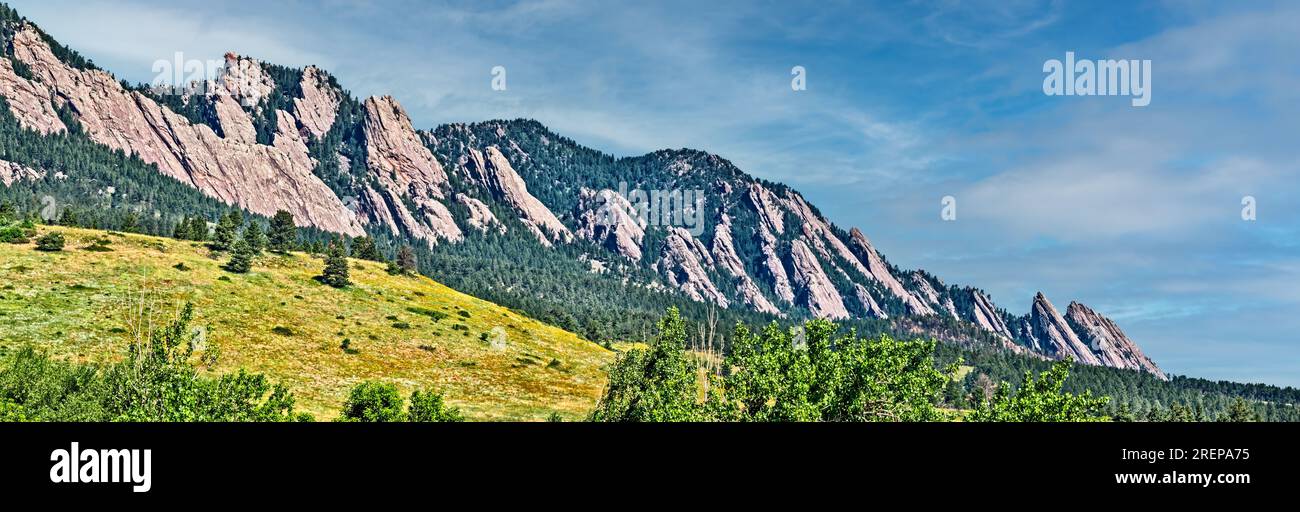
point(266, 138)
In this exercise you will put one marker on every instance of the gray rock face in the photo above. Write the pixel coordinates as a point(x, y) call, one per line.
point(868, 302)
point(405, 168)
point(1107, 341)
point(683, 263)
point(768, 207)
point(986, 316)
point(607, 218)
point(11, 173)
point(319, 104)
point(31, 103)
point(492, 170)
point(878, 270)
point(926, 293)
point(480, 215)
point(724, 253)
point(1051, 335)
point(257, 177)
point(820, 295)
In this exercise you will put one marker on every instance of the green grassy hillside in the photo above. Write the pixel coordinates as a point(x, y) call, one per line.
point(278, 320)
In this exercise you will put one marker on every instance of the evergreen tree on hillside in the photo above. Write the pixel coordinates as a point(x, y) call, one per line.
point(180, 232)
point(284, 233)
point(130, 223)
point(241, 259)
point(198, 229)
point(223, 239)
point(363, 248)
point(255, 237)
point(1240, 411)
point(406, 261)
point(336, 266)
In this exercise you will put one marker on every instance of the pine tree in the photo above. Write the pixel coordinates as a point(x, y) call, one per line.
point(255, 237)
point(198, 229)
point(1240, 412)
point(284, 233)
point(223, 239)
point(363, 247)
point(181, 231)
point(406, 260)
point(336, 266)
point(131, 223)
point(241, 260)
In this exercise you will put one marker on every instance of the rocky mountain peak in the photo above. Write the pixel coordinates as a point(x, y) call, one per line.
point(1050, 334)
point(762, 246)
point(1111, 346)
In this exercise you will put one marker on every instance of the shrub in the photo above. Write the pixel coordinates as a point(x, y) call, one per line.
point(429, 407)
point(373, 402)
point(14, 235)
point(435, 315)
point(100, 245)
point(50, 242)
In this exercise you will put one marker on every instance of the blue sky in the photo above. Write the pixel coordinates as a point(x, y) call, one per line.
point(1134, 211)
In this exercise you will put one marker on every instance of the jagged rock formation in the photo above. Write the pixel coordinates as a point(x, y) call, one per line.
point(607, 218)
point(260, 178)
point(765, 249)
point(986, 316)
point(319, 104)
point(11, 173)
point(927, 293)
point(491, 169)
point(724, 252)
point(878, 270)
point(32, 104)
point(1107, 341)
point(1048, 333)
point(683, 266)
point(815, 287)
point(869, 304)
point(480, 215)
point(406, 171)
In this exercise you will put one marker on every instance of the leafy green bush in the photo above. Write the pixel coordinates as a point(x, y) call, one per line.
point(51, 242)
point(435, 315)
point(1040, 400)
point(156, 381)
point(428, 407)
point(372, 402)
point(776, 375)
point(15, 234)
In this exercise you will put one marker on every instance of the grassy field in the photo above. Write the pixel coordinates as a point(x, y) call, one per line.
point(278, 320)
